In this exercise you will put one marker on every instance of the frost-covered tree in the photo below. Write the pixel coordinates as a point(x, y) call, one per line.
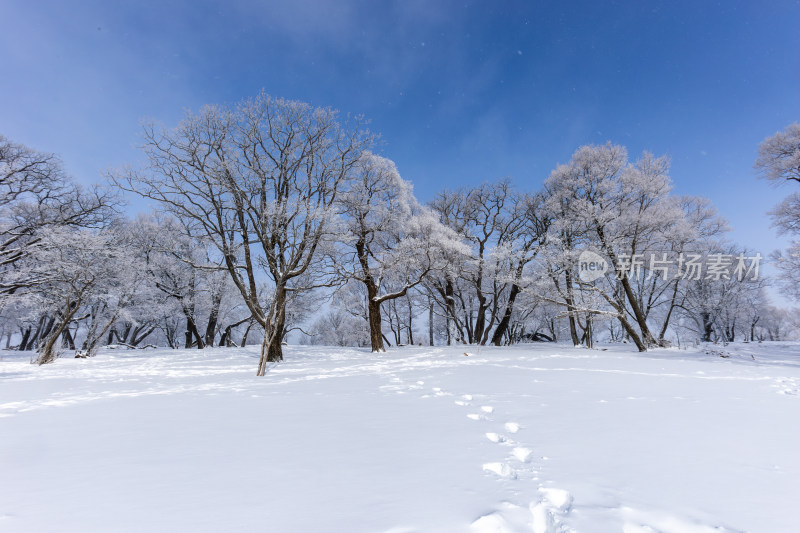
point(258, 180)
point(338, 327)
point(522, 238)
point(555, 275)
point(391, 242)
point(787, 263)
point(778, 162)
point(776, 325)
point(69, 269)
point(82, 283)
point(474, 292)
point(122, 294)
point(36, 195)
point(503, 230)
point(697, 228)
point(720, 307)
point(779, 156)
point(189, 279)
point(625, 211)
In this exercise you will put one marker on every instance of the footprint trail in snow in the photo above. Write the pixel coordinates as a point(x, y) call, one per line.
point(547, 513)
point(514, 463)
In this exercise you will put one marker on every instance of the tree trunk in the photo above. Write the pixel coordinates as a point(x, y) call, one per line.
point(25, 336)
point(450, 302)
point(589, 333)
point(44, 326)
point(67, 341)
point(646, 337)
point(394, 318)
point(125, 333)
point(247, 332)
point(430, 320)
point(227, 335)
point(191, 331)
point(136, 339)
point(410, 325)
point(708, 326)
point(373, 304)
point(48, 353)
point(573, 328)
point(270, 352)
point(632, 333)
point(375, 333)
point(480, 320)
point(664, 327)
point(93, 342)
point(271, 346)
point(502, 327)
point(225, 340)
point(213, 318)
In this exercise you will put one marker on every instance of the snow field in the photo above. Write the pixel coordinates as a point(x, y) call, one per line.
point(542, 438)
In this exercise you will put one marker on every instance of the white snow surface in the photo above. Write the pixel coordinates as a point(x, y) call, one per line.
point(342, 440)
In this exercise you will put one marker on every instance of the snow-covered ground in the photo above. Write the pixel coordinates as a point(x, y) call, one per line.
point(536, 438)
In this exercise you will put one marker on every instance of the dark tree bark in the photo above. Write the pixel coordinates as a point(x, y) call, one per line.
point(375, 333)
point(48, 353)
point(26, 334)
point(430, 320)
point(213, 318)
point(227, 335)
point(67, 340)
point(192, 334)
point(272, 349)
point(708, 326)
point(502, 327)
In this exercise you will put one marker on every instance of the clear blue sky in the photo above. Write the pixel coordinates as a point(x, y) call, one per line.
point(461, 92)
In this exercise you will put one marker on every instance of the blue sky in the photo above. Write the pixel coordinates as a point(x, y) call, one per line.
point(462, 92)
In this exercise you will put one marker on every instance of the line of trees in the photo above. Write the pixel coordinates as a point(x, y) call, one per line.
point(276, 216)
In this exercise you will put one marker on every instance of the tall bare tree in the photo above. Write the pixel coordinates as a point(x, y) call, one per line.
point(259, 180)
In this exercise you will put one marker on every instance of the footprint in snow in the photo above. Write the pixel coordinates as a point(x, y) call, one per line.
point(462, 403)
point(549, 511)
point(511, 427)
point(487, 409)
point(521, 454)
point(496, 437)
point(501, 469)
point(476, 416)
